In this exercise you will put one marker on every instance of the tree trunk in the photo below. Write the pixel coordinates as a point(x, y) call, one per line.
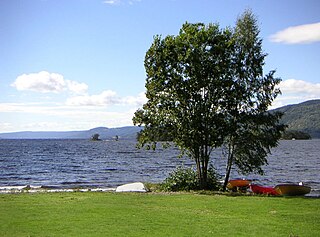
point(201, 155)
point(203, 183)
point(229, 165)
point(198, 164)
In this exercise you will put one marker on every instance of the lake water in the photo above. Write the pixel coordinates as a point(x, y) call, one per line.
point(83, 163)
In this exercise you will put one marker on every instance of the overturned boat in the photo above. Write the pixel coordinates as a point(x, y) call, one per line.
point(258, 189)
point(238, 184)
point(292, 189)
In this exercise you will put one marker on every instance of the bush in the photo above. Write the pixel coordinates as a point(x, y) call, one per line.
point(185, 179)
point(213, 179)
point(181, 179)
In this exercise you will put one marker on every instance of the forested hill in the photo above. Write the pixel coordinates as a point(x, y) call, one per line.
point(303, 117)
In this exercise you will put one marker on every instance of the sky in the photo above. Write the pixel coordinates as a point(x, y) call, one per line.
point(78, 64)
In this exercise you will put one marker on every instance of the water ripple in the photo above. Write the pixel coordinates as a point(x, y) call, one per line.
point(66, 163)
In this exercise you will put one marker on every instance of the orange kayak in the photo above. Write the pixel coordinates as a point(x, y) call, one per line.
point(238, 183)
point(292, 189)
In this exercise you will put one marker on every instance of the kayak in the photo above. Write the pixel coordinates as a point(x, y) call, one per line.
point(257, 189)
point(292, 189)
point(238, 183)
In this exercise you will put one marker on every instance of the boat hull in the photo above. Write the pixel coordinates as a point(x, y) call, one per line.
point(238, 183)
point(257, 189)
point(292, 189)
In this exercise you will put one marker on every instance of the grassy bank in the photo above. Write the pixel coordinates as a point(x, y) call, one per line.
point(114, 214)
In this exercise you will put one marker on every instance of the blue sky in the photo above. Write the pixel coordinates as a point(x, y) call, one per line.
point(78, 64)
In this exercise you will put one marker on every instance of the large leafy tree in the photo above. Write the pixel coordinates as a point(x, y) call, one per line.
point(184, 77)
point(205, 88)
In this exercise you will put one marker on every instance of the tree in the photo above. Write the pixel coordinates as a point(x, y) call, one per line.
point(183, 79)
point(204, 91)
point(95, 137)
point(251, 130)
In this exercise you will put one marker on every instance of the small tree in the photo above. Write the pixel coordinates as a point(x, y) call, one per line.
point(95, 137)
point(251, 130)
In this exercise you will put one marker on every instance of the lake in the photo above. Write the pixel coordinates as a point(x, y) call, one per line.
point(83, 163)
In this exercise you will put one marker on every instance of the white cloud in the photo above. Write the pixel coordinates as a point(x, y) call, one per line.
point(42, 126)
point(138, 100)
point(46, 82)
point(35, 108)
point(6, 126)
point(57, 117)
point(106, 98)
point(41, 82)
point(118, 2)
point(296, 91)
point(300, 87)
point(76, 87)
point(301, 34)
point(112, 2)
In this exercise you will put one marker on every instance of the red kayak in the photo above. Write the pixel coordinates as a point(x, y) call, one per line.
point(263, 190)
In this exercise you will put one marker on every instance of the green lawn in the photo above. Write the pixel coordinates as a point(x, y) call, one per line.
point(115, 214)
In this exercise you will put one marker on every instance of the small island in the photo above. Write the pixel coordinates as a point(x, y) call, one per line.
point(95, 137)
point(295, 135)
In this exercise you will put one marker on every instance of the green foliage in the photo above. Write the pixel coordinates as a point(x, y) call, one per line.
point(95, 137)
point(205, 88)
point(249, 147)
point(186, 179)
point(251, 130)
point(213, 179)
point(153, 187)
point(160, 136)
point(181, 179)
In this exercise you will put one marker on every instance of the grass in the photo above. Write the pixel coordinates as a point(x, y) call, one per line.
point(130, 214)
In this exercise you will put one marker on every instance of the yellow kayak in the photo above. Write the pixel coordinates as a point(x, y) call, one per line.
point(292, 189)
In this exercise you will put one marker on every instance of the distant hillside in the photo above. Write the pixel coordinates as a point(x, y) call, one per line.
point(303, 117)
point(125, 133)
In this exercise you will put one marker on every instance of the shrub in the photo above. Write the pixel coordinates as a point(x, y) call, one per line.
point(213, 179)
point(181, 179)
point(185, 179)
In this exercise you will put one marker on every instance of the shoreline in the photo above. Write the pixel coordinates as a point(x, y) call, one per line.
point(44, 189)
point(129, 187)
